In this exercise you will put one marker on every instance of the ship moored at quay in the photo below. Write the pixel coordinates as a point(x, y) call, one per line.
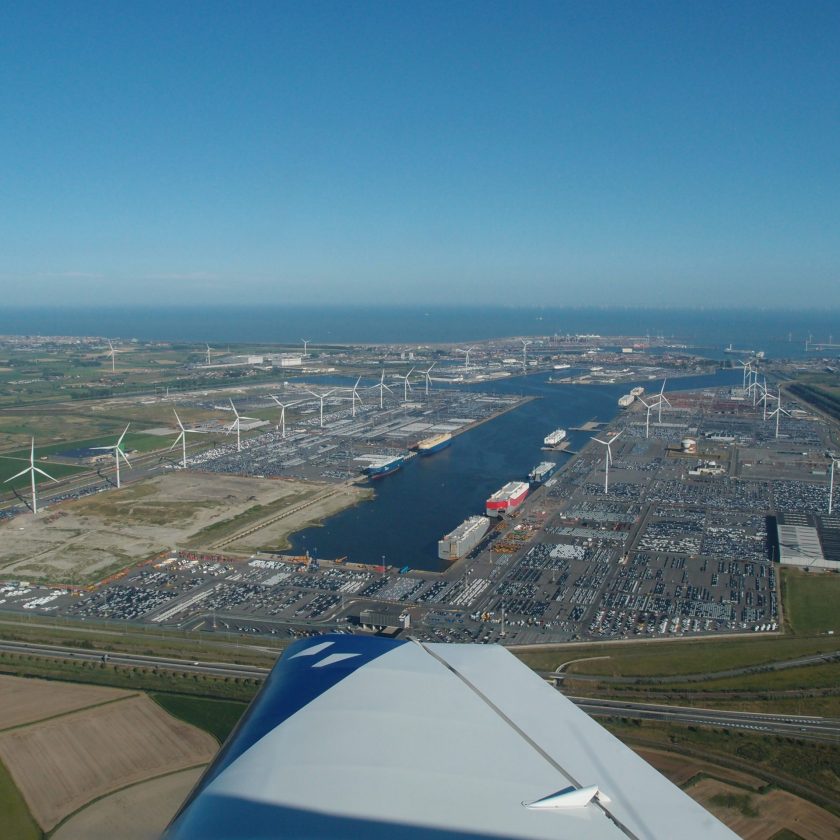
point(381, 467)
point(434, 444)
point(508, 498)
point(555, 438)
point(460, 542)
point(542, 472)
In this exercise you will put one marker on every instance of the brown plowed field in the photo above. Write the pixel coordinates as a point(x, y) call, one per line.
point(140, 812)
point(777, 809)
point(25, 700)
point(61, 764)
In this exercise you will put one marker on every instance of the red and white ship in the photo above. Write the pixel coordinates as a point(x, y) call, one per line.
point(508, 498)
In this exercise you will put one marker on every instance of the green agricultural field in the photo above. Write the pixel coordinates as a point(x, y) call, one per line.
point(812, 601)
point(12, 466)
point(218, 717)
point(700, 656)
point(15, 819)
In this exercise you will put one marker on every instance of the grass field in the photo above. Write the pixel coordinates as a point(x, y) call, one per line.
point(812, 764)
point(698, 656)
point(218, 717)
point(15, 819)
point(812, 601)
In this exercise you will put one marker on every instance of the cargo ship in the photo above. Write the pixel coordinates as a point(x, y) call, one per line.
point(507, 499)
point(460, 542)
point(626, 401)
point(383, 466)
point(555, 438)
point(542, 472)
point(434, 444)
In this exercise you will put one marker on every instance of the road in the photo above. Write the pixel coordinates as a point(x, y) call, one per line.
point(671, 679)
point(799, 726)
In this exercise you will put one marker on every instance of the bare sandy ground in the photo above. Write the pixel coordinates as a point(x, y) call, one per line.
point(61, 764)
point(85, 538)
point(140, 812)
point(776, 810)
point(26, 701)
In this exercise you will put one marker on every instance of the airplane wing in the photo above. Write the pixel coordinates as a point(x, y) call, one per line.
point(375, 738)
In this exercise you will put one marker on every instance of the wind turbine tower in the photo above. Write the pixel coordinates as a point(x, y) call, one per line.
point(382, 389)
point(182, 439)
point(235, 426)
point(321, 398)
point(118, 453)
point(428, 378)
point(283, 406)
point(778, 411)
point(406, 385)
point(608, 459)
point(32, 469)
point(113, 354)
point(525, 353)
point(662, 399)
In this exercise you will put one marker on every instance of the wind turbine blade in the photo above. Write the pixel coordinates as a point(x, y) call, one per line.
point(178, 419)
point(177, 440)
point(617, 436)
point(600, 441)
point(125, 458)
point(22, 472)
point(388, 388)
point(46, 475)
point(123, 435)
point(666, 401)
point(103, 448)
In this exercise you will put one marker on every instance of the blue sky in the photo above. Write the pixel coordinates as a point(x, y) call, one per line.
point(547, 153)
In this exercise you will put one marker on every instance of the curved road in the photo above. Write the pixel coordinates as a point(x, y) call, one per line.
point(810, 727)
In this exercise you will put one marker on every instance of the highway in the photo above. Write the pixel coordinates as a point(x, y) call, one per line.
point(799, 726)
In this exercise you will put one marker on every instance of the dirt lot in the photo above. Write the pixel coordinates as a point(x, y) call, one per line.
point(140, 812)
point(84, 539)
point(25, 700)
point(773, 812)
point(63, 763)
point(769, 813)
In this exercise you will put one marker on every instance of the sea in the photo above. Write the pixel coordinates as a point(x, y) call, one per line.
point(779, 333)
point(416, 506)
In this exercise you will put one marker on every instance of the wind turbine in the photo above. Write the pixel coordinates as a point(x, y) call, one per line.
point(467, 358)
point(662, 399)
point(525, 353)
point(321, 397)
point(765, 397)
point(283, 407)
point(382, 388)
point(305, 343)
point(428, 378)
point(208, 355)
point(354, 395)
point(182, 439)
point(649, 407)
point(779, 411)
point(830, 484)
point(608, 459)
point(32, 469)
point(118, 453)
point(747, 366)
point(237, 424)
point(406, 385)
point(113, 354)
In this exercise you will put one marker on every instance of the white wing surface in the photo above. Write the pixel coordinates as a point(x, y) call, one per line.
point(374, 738)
